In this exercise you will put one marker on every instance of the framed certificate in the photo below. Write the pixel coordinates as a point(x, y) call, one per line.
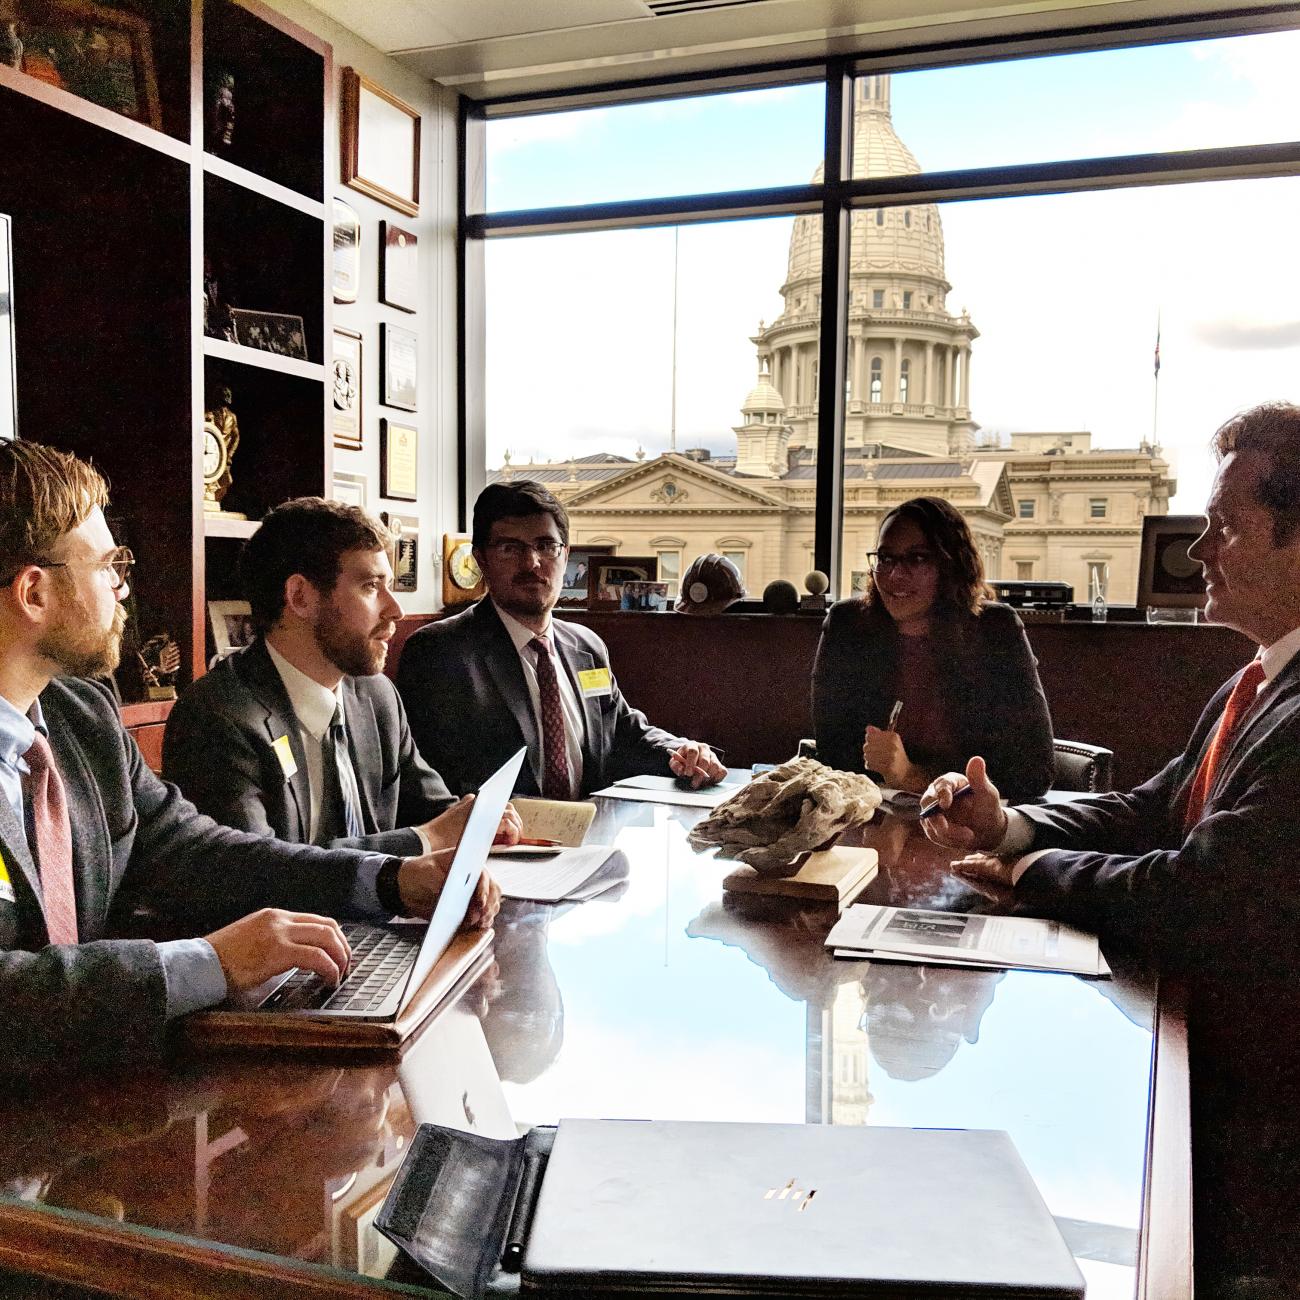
point(399, 267)
point(399, 366)
point(347, 252)
point(399, 459)
point(381, 144)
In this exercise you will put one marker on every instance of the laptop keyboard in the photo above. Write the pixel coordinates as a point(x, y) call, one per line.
point(381, 959)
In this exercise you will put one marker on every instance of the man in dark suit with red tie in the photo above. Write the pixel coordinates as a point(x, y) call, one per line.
point(504, 673)
point(1198, 868)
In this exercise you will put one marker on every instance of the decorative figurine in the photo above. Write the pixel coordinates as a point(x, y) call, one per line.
point(220, 440)
point(160, 661)
point(816, 584)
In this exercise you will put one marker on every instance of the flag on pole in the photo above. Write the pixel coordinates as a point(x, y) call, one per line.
point(1157, 373)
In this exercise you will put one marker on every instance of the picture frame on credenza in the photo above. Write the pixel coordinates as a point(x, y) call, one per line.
point(1168, 578)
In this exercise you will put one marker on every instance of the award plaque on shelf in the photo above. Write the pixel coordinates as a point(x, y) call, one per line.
point(399, 455)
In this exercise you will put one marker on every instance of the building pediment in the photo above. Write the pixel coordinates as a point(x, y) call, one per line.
point(670, 483)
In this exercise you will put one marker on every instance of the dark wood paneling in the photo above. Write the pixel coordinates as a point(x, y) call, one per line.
point(150, 740)
point(741, 681)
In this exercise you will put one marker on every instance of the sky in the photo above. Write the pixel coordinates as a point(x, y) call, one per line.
point(1065, 290)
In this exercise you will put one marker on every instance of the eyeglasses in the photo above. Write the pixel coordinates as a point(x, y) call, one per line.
point(118, 566)
point(909, 561)
point(546, 548)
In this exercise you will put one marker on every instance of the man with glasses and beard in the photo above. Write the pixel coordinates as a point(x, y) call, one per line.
point(87, 831)
point(505, 674)
point(300, 735)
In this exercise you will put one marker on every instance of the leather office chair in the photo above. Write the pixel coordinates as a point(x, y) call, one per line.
point(1076, 765)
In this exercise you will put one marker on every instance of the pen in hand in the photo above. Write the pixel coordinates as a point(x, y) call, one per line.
point(893, 715)
point(931, 810)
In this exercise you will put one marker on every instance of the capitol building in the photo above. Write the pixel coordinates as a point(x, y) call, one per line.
point(1049, 505)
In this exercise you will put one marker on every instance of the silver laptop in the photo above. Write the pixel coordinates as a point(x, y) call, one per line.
point(792, 1209)
point(391, 962)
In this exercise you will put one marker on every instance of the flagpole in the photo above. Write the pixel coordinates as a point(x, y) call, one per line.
point(1155, 391)
point(672, 435)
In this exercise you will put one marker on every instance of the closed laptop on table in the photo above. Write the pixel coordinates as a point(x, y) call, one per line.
point(400, 973)
point(637, 1207)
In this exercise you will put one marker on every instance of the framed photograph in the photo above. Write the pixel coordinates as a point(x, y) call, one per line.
point(350, 489)
point(8, 356)
point(380, 153)
point(102, 54)
point(345, 418)
point(607, 575)
point(399, 461)
point(232, 625)
point(574, 591)
point(651, 597)
point(270, 331)
point(347, 252)
point(399, 366)
point(361, 1246)
point(399, 267)
point(1168, 578)
point(461, 579)
point(406, 550)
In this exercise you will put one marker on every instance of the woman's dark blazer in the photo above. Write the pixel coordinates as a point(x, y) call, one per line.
point(995, 700)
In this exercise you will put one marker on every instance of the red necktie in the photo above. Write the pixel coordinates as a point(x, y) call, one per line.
point(53, 834)
point(555, 756)
point(1242, 697)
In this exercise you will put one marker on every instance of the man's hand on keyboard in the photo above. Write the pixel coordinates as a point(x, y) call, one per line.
point(420, 881)
point(272, 941)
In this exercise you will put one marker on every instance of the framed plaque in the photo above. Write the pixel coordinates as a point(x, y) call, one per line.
point(345, 418)
point(406, 550)
point(399, 267)
point(232, 625)
point(270, 331)
point(347, 252)
point(399, 366)
point(350, 489)
point(381, 144)
point(399, 459)
point(1168, 578)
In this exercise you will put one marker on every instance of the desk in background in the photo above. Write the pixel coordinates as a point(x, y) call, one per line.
point(251, 1175)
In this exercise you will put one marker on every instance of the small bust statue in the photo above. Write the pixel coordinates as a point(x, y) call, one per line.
point(711, 583)
point(221, 110)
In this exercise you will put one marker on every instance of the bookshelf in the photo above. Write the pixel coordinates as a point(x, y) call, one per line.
point(121, 221)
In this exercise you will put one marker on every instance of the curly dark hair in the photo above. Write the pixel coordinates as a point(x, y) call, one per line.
point(961, 589)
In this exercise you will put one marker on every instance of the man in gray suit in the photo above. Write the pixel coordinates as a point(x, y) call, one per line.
point(1197, 866)
point(300, 735)
point(505, 673)
point(86, 829)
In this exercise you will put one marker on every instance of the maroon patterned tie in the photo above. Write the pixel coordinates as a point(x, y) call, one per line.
point(555, 756)
point(53, 833)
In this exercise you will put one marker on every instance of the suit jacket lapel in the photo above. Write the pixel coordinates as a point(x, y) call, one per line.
point(268, 689)
point(363, 745)
point(502, 661)
point(577, 658)
point(13, 843)
point(1264, 716)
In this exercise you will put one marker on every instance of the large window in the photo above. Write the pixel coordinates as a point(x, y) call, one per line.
point(1081, 326)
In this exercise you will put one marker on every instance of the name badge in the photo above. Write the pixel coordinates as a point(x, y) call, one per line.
point(284, 752)
point(6, 885)
point(594, 682)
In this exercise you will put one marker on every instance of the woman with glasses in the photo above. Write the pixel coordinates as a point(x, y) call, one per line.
point(924, 670)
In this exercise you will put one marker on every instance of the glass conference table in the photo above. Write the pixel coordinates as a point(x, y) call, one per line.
point(251, 1174)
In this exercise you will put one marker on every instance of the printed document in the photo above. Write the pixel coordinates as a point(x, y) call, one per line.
point(664, 789)
point(559, 876)
point(958, 938)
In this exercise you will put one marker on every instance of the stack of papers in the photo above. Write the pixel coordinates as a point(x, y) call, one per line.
point(962, 939)
point(561, 820)
point(664, 789)
point(555, 875)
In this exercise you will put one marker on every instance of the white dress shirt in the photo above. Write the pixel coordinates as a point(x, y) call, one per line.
point(1020, 830)
point(570, 705)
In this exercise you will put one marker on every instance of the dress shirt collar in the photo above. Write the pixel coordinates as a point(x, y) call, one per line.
point(313, 703)
point(17, 731)
point(1276, 656)
point(520, 634)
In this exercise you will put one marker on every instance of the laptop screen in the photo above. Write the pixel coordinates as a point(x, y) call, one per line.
point(466, 868)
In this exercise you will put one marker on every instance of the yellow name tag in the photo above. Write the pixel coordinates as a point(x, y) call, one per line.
point(284, 752)
point(6, 885)
point(594, 681)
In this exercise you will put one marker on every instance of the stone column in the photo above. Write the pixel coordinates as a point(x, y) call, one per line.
point(965, 377)
point(897, 376)
point(929, 374)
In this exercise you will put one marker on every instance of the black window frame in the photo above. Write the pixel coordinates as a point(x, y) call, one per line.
point(835, 198)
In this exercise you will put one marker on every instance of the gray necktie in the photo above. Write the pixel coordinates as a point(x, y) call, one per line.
point(340, 799)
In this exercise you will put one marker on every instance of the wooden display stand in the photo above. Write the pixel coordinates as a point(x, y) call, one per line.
point(836, 875)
